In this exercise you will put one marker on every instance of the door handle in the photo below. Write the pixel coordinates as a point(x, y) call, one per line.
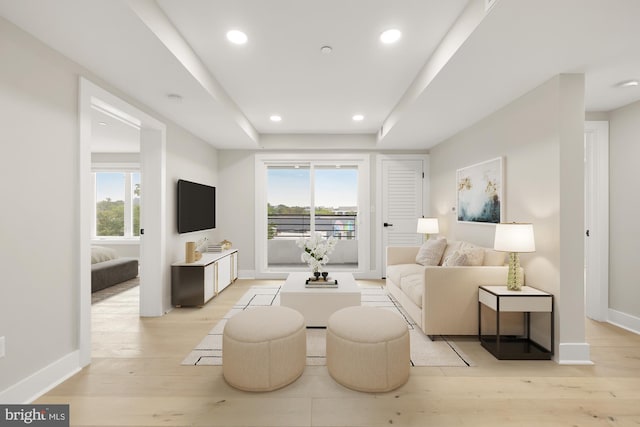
point(386, 224)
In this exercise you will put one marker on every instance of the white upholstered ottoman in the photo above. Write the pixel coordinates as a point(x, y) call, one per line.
point(264, 348)
point(368, 349)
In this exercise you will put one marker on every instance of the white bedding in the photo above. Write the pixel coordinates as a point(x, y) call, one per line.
point(101, 254)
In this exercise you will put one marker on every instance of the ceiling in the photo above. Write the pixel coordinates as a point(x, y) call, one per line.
point(457, 62)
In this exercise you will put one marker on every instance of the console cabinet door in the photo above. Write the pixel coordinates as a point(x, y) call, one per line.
point(209, 282)
point(234, 266)
point(224, 272)
point(196, 283)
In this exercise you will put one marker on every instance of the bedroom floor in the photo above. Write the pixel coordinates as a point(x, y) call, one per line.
point(135, 379)
point(103, 294)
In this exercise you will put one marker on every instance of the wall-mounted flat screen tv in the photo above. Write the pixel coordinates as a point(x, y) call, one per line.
point(196, 206)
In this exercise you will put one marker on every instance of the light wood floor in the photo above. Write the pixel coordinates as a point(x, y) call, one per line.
point(135, 379)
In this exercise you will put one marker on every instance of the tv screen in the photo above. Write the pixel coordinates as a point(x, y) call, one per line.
point(196, 206)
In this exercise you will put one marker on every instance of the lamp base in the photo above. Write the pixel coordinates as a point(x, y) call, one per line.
point(514, 280)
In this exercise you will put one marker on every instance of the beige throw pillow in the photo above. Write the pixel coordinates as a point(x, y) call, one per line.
point(475, 254)
point(431, 252)
point(452, 246)
point(456, 259)
point(492, 257)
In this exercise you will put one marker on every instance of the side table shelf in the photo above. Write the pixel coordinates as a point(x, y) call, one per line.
point(528, 300)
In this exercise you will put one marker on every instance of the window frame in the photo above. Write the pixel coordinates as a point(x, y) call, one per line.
point(128, 170)
point(263, 161)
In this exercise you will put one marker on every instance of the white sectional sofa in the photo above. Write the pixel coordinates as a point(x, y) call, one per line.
point(443, 299)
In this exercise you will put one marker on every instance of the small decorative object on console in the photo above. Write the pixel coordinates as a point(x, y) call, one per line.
point(190, 252)
point(326, 282)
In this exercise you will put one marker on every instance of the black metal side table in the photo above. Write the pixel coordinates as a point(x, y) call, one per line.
point(528, 300)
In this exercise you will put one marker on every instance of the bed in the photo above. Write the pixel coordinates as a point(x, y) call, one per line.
point(108, 268)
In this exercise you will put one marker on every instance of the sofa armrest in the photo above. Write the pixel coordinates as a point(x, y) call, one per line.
point(402, 254)
point(450, 297)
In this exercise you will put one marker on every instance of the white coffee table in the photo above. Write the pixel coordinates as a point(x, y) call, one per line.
point(317, 304)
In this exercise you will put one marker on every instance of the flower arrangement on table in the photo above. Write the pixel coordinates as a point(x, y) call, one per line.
point(316, 250)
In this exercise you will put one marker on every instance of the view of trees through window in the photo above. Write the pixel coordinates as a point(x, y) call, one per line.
point(117, 204)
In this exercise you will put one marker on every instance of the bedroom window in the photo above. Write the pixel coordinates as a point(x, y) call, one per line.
point(117, 204)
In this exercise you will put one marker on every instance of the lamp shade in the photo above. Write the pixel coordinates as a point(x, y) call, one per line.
point(428, 226)
point(514, 237)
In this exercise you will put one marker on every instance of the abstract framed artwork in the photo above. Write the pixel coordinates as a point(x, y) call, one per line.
point(479, 192)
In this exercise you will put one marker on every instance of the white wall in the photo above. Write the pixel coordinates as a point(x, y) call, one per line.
point(39, 304)
point(191, 159)
point(237, 196)
point(39, 164)
point(236, 170)
point(236, 202)
point(540, 138)
point(624, 244)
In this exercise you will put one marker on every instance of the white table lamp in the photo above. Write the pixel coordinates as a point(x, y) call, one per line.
point(514, 238)
point(428, 226)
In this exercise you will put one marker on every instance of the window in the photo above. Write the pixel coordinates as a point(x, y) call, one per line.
point(297, 196)
point(117, 204)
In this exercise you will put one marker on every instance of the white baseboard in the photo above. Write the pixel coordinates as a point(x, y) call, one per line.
point(37, 384)
point(574, 354)
point(246, 274)
point(624, 321)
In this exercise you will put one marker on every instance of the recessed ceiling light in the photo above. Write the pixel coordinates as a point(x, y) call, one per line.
point(358, 118)
point(102, 123)
point(390, 36)
point(326, 49)
point(236, 37)
point(628, 83)
point(174, 97)
point(275, 118)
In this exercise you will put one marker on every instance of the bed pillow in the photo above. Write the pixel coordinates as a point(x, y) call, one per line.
point(431, 252)
point(101, 254)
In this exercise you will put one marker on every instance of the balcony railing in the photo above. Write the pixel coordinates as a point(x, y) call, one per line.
point(289, 226)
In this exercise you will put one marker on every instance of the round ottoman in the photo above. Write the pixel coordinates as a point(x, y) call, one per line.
point(368, 349)
point(264, 348)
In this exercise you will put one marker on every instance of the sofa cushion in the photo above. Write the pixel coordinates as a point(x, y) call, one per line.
point(457, 258)
point(413, 287)
point(396, 272)
point(430, 253)
point(475, 254)
point(452, 246)
point(492, 257)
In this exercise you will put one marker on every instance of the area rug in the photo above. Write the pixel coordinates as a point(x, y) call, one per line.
point(424, 351)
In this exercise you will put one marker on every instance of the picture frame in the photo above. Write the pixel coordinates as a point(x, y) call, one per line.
point(479, 192)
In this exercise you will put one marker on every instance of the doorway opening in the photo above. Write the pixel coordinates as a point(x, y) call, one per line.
point(153, 300)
